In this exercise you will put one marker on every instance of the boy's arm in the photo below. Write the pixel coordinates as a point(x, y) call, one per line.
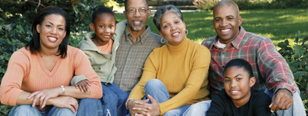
point(217, 105)
point(78, 78)
point(260, 104)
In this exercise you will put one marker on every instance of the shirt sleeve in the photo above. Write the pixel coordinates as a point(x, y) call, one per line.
point(83, 67)
point(217, 105)
point(261, 103)
point(149, 72)
point(18, 67)
point(274, 67)
point(197, 76)
point(77, 79)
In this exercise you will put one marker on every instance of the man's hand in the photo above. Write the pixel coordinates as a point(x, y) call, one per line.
point(282, 100)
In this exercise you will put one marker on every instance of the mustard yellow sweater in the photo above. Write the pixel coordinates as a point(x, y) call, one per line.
point(183, 69)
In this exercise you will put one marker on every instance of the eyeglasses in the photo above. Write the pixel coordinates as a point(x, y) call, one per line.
point(141, 10)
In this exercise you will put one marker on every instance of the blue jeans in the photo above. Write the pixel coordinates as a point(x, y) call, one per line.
point(28, 110)
point(297, 108)
point(111, 104)
point(159, 92)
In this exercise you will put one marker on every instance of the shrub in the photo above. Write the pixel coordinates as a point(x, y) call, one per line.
point(205, 4)
point(296, 57)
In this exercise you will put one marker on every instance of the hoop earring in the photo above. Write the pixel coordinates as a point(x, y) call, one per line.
point(162, 40)
point(186, 32)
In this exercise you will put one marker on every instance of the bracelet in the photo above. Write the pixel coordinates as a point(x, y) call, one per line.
point(128, 101)
point(63, 89)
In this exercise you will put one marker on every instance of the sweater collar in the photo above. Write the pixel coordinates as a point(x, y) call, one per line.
point(180, 48)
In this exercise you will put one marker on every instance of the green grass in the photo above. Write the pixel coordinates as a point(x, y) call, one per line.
point(277, 24)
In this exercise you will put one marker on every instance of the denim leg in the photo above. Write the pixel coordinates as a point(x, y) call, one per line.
point(90, 107)
point(24, 110)
point(297, 108)
point(198, 109)
point(122, 97)
point(110, 101)
point(178, 112)
point(157, 90)
point(63, 112)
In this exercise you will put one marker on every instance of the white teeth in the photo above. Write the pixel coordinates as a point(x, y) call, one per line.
point(52, 39)
point(175, 34)
point(234, 92)
point(225, 30)
point(137, 22)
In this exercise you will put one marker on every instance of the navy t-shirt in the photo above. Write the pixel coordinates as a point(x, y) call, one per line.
point(257, 105)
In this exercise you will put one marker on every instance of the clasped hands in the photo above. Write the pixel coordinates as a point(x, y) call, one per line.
point(143, 108)
point(53, 96)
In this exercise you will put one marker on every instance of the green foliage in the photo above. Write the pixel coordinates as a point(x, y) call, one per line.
point(205, 4)
point(296, 57)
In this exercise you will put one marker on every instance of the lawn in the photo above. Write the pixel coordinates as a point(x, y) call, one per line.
point(277, 24)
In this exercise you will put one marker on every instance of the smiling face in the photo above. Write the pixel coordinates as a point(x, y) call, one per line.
point(237, 84)
point(172, 28)
point(104, 27)
point(137, 14)
point(51, 31)
point(226, 22)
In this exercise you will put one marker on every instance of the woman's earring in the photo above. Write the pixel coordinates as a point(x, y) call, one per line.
point(186, 32)
point(162, 40)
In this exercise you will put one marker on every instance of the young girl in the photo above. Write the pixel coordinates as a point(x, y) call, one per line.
point(100, 47)
point(40, 73)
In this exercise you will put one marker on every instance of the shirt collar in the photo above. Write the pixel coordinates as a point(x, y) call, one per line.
point(142, 37)
point(236, 42)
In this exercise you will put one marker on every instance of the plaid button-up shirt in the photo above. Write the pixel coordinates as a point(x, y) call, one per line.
point(269, 67)
point(131, 56)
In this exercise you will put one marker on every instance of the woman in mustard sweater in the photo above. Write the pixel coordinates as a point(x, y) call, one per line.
point(174, 79)
point(39, 74)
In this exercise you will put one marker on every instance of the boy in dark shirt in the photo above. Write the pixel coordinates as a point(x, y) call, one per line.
point(238, 99)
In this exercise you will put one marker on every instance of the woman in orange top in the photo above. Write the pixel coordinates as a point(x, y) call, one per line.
point(40, 73)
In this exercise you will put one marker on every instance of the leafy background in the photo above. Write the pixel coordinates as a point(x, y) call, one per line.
point(16, 18)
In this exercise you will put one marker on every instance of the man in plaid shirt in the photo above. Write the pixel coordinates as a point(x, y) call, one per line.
point(269, 67)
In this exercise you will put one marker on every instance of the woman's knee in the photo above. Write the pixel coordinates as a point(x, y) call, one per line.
point(63, 112)
point(26, 110)
point(153, 83)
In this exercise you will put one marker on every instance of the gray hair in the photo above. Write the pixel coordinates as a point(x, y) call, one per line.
point(162, 10)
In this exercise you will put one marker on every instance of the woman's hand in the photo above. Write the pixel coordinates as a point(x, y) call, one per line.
point(136, 107)
point(83, 85)
point(44, 95)
point(154, 109)
point(66, 102)
point(141, 107)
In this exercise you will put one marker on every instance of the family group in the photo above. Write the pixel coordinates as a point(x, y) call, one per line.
point(124, 69)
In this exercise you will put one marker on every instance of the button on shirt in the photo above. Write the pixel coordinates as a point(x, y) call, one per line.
point(269, 67)
point(130, 57)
